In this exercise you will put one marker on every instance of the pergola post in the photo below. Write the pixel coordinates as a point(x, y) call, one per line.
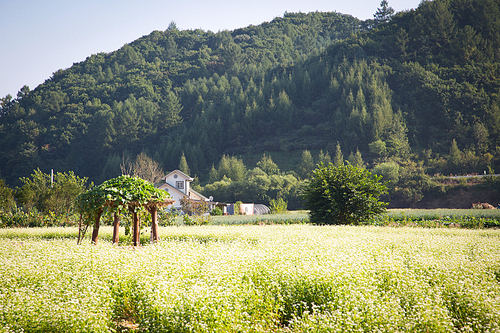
point(95, 231)
point(154, 222)
point(136, 237)
point(116, 228)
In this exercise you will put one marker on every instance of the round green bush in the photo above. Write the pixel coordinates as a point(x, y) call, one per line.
point(343, 194)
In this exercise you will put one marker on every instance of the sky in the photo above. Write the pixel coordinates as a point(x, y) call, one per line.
point(39, 37)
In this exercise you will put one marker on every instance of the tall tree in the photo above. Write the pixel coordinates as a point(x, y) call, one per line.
point(6, 197)
point(147, 168)
point(183, 165)
point(232, 168)
point(454, 157)
point(267, 165)
point(324, 158)
point(343, 194)
point(383, 13)
point(338, 159)
point(306, 164)
point(356, 159)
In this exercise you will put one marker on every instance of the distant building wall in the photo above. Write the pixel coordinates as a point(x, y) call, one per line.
point(246, 209)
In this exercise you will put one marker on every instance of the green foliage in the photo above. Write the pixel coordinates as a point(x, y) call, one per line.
point(19, 218)
point(116, 195)
point(390, 88)
point(306, 164)
point(384, 13)
point(216, 211)
point(356, 159)
point(267, 165)
point(388, 170)
point(183, 165)
point(258, 186)
point(324, 157)
point(237, 207)
point(196, 219)
point(413, 184)
point(455, 157)
point(439, 218)
point(278, 206)
point(378, 148)
point(338, 159)
point(6, 197)
point(167, 217)
point(47, 196)
point(231, 168)
point(343, 194)
point(194, 207)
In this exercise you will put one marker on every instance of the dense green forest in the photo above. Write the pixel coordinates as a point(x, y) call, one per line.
point(409, 95)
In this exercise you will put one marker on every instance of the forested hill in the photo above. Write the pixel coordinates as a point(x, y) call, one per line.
point(400, 88)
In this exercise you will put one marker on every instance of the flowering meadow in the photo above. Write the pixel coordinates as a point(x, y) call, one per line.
point(253, 278)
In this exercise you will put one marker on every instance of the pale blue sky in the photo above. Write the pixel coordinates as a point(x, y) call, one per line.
point(40, 37)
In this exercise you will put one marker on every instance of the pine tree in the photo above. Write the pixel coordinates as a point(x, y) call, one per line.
point(356, 159)
point(338, 159)
point(306, 164)
point(383, 13)
point(183, 165)
point(267, 165)
point(454, 157)
point(324, 158)
point(213, 175)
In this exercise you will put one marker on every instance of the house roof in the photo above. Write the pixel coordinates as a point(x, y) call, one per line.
point(170, 188)
point(173, 188)
point(178, 172)
point(199, 194)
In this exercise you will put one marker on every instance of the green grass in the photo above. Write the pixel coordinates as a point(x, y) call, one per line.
point(462, 218)
point(436, 214)
point(253, 278)
point(289, 218)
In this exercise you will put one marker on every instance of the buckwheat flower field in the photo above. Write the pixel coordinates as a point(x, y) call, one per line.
point(295, 278)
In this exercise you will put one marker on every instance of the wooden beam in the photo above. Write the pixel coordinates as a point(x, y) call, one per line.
point(154, 223)
point(95, 231)
point(116, 228)
point(136, 236)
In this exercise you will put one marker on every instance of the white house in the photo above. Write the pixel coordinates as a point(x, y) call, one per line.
point(178, 185)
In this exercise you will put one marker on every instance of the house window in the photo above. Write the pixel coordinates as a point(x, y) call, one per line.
point(179, 185)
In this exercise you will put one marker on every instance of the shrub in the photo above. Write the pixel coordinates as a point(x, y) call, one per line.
point(193, 207)
point(167, 217)
point(216, 211)
point(278, 206)
point(6, 197)
point(343, 194)
point(388, 170)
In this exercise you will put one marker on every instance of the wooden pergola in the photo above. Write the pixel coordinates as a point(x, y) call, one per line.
point(117, 195)
point(151, 206)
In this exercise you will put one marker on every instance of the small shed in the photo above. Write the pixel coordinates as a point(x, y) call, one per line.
point(245, 209)
point(259, 209)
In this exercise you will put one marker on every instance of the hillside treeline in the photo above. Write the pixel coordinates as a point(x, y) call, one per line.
point(418, 89)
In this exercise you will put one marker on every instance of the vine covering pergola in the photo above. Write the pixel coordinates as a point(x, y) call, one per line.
point(117, 195)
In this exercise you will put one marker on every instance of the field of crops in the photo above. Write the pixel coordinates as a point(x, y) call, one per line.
point(278, 278)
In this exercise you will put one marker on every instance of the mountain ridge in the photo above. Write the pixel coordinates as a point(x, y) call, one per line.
point(401, 91)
